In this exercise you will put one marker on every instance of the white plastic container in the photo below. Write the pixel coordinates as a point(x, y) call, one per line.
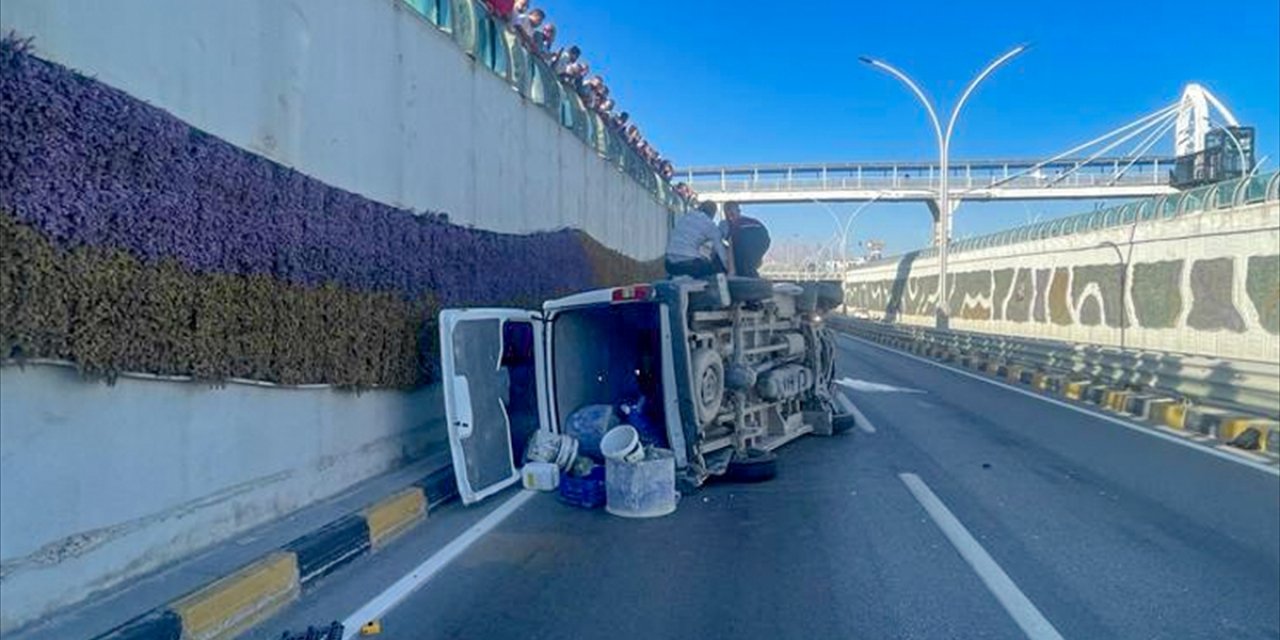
point(545, 446)
point(622, 443)
point(540, 476)
point(641, 489)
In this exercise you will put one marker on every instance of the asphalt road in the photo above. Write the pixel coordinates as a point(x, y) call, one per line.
point(1098, 531)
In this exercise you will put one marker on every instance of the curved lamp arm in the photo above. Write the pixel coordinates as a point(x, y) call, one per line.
point(973, 84)
point(924, 100)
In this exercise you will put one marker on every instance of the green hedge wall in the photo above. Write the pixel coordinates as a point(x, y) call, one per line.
point(108, 313)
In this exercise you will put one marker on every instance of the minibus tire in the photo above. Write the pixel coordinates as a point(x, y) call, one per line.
point(705, 300)
point(842, 422)
point(830, 295)
point(749, 289)
point(807, 301)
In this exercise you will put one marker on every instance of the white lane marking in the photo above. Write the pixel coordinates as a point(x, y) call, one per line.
point(858, 419)
point(874, 387)
point(420, 575)
point(1190, 444)
point(1018, 606)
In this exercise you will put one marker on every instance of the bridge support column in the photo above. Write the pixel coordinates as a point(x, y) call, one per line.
point(936, 211)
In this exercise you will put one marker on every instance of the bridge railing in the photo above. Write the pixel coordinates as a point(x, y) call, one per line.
point(963, 176)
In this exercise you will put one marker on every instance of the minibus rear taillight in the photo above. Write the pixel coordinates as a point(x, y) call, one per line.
point(633, 292)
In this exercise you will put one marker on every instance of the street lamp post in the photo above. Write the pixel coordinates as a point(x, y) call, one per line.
point(944, 143)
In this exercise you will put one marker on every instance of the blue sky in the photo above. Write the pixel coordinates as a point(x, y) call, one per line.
point(749, 81)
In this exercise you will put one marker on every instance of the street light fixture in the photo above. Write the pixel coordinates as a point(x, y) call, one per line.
point(944, 144)
point(843, 228)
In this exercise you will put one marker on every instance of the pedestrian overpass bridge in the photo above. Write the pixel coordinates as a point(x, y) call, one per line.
point(1120, 163)
point(1071, 178)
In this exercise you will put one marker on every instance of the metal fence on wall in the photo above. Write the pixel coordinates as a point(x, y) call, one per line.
point(485, 38)
point(1223, 195)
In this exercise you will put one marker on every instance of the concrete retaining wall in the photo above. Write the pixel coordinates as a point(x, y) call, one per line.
point(1203, 283)
point(367, 96)
point(100, 483)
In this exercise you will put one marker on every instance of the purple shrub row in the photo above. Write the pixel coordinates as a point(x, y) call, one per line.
point(88, 165)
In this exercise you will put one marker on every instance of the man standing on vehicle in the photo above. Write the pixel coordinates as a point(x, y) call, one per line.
point(696, 245)
point(748, 241)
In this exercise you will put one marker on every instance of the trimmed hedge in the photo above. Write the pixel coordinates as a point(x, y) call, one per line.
point(134, 242)
point(108, 312)
point(610, 268)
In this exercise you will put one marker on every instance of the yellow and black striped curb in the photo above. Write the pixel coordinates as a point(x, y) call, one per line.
point(1174, 413)
point(233, 603)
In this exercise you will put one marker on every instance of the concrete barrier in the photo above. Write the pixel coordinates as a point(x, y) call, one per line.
point(1171, 414)
point(394, 515)
point(230, 604)
point(1116, 400)
point(1207, 420)
point(228, 607)
point(1075, 389)
point(1139, 405)
point(1268, 431)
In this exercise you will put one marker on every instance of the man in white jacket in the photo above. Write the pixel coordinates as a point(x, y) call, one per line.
point(696, 245)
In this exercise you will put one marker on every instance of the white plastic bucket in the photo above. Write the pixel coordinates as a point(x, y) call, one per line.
point(642, 489)
point(622, 443)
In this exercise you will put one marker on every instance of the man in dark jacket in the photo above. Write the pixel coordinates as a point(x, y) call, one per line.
point(748, 241)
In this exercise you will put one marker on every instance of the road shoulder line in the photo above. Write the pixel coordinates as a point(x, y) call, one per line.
point(1138, 428)
point(863, 423)
point(423, 573)
point(1015, 603)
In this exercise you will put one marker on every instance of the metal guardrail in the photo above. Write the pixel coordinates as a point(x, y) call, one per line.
point(486, 39)
point(1247, 386)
